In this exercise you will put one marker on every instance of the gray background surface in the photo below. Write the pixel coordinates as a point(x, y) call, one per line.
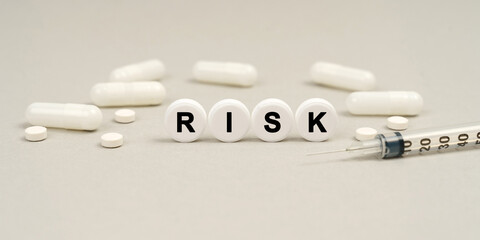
point(68, 187)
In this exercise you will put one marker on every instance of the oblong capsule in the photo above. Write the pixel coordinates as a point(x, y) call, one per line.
point(338, 76)
point(227, 73)
point(385, 103)
point(143, 71)
point(64, 115)
point(112, 94)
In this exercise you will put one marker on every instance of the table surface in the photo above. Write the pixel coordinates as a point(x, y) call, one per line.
point(69, 187)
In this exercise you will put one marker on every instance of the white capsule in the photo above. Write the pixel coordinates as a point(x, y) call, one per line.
point(69, 115)
point(384, 103)
point(338, 76)
point(227, 73)
point(127, 94)
point(143, 71)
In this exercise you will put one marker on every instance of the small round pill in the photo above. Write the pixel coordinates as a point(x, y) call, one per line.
point(124, 116)
point(112, 140)
point(365, 133)
point(397, 123)
point(36, 133)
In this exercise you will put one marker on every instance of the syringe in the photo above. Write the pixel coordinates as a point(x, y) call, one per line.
point(398, 144)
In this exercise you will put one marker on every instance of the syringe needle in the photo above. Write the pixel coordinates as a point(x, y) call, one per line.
point(326, 152)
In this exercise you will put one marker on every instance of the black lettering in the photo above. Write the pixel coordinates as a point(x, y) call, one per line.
point(229, 121)
point(316, 121)
point(463, 137)
point(268, 119)
point(425, 141)
point(187, 122)
point(406, 145)
point(444, 139)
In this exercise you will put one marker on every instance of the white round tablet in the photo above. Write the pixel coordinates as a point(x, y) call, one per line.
point(112, 140)
point(124, 116)
point(36, 133)
point(185, 120)
point(272, 120)
point(365, 133)
point(397, 123)
point(316, 119)
point(229, 120)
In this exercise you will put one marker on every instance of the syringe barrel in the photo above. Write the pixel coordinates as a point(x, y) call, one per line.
point(430, 140)
point(392, 145)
